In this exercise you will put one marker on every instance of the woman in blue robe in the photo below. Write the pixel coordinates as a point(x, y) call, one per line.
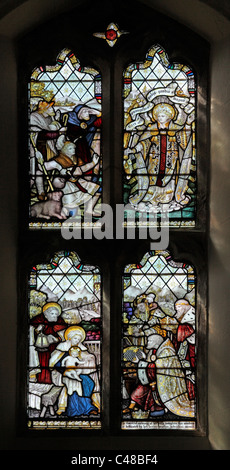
point(80, 385)
point(78, 405)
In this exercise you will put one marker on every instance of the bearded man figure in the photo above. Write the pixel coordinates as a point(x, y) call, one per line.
point(49, 324)
point(43, 136)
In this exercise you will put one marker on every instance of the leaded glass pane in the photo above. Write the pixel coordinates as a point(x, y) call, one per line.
point(64, 369)
point(64, 142)
point(159, 138)
point(159, 344)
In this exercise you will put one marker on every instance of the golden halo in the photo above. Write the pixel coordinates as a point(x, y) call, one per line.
point(182, 302)
point(75, 328)
point(51, 304)
point(168, 108)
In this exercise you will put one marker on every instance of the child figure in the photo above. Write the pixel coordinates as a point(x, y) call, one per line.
point(71, 363)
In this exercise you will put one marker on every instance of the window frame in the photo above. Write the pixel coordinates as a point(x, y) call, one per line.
point(39, 246)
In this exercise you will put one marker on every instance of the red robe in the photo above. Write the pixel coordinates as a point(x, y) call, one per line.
point(78, 135)
point(184, 331)
point(143, 394)
point(50, 328)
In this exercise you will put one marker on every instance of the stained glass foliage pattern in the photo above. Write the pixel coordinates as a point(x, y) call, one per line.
point(159, 344)
point(159, 138)
point(65, 336)
point(64, 142)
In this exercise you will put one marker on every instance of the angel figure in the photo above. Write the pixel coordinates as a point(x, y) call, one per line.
point(159, 155)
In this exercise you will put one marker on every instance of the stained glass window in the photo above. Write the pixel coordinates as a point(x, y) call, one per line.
point(159, 144)
point(159, 344)
point(159, 138)
point(64, 369)
point(64, 141)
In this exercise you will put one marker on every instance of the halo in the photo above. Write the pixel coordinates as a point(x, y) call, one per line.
point(182, 302)
point(170, 110)
point(72, 329)
point(51, 304)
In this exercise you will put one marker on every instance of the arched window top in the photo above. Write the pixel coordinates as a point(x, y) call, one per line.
point(67, 79)
point(175, 278)
point(158, 69)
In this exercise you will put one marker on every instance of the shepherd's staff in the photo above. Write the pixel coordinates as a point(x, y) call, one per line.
point(65, 119)
point(40, 160)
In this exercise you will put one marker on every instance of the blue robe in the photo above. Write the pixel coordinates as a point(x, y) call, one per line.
point(79, 405)
point(83, 137)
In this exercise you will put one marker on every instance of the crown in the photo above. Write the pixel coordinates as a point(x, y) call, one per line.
point(140, 414)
